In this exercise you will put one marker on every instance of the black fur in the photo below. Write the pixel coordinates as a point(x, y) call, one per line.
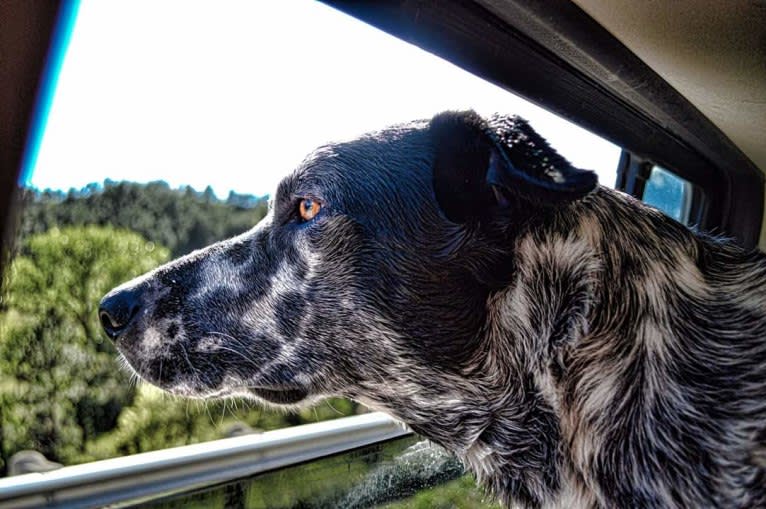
point(573, 346)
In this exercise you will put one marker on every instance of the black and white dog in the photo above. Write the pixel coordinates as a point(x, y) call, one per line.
point(574, 347)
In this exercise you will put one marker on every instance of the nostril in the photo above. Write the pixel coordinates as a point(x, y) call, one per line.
point(107, 321)
point(117, 310)
point(111, 323)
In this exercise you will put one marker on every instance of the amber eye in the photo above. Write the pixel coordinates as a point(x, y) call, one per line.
point(308, 208)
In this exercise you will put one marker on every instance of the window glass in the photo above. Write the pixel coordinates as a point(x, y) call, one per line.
point(399, 474)
point(171, 124)
point(669, 193)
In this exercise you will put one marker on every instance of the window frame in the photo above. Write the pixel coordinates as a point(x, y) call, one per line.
point(574, 67)
point(633, 172)
point(27, 68)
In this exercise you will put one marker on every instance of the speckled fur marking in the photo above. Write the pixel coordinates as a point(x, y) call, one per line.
point(573, 346)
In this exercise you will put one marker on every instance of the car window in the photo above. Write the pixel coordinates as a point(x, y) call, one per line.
point(669, 193)
point(171, 124)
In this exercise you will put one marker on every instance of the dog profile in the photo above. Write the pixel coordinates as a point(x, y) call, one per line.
point(574, 347)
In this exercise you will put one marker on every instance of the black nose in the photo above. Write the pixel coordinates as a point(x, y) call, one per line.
point(117, 310)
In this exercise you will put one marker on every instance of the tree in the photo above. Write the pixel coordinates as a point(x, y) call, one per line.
point(58, 384)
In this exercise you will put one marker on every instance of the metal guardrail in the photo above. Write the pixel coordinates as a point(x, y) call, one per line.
point(139, 477)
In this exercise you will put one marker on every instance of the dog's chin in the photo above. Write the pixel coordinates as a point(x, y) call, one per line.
point(273, 395)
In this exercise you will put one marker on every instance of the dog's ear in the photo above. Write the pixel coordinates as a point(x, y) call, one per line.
point(481, 166)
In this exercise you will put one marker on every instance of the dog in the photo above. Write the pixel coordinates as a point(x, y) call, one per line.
point(573, 346)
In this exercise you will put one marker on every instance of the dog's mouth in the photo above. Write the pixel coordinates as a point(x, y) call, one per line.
point(287, 396)
point(176, 372)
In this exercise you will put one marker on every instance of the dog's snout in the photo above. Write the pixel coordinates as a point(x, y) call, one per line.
point(118, 309)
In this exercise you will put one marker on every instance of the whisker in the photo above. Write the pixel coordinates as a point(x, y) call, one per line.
point(237, 341)
point(327, 402)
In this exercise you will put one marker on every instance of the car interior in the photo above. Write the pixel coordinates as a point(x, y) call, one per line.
point(679, 86)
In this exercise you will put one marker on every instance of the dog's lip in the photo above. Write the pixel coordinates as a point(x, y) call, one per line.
point(281, 395)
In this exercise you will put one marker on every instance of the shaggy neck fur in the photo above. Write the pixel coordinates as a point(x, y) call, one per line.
point(626, 361)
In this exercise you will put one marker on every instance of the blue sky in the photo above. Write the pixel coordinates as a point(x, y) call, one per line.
point(234, 94)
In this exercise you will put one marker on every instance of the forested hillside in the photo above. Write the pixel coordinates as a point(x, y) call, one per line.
point(179, 219)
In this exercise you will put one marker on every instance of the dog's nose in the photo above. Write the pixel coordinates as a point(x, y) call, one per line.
point(118, 309)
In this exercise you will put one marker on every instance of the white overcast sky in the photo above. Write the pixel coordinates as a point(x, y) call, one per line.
point(235, 93)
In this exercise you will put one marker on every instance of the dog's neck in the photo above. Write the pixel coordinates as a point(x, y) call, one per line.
point(520, 452)
point(503, 418)
point(569, 281)
point(575, 353)
point(583, 333)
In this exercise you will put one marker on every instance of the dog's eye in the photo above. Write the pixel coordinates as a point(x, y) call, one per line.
point(309, 208)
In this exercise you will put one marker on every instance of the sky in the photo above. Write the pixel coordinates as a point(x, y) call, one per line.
point(234, 94)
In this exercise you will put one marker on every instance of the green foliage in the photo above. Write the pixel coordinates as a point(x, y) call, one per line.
point(59, 386)
point(154, 421)
point(157, 420)
point(458, 494)
point(181, 220)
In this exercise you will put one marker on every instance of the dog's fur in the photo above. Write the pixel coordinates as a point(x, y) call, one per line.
point(573, 346)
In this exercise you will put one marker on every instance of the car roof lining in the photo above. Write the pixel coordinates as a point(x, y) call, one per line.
point(712, 52)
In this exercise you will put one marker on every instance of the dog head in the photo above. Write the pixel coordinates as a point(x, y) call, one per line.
point(369, 277)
